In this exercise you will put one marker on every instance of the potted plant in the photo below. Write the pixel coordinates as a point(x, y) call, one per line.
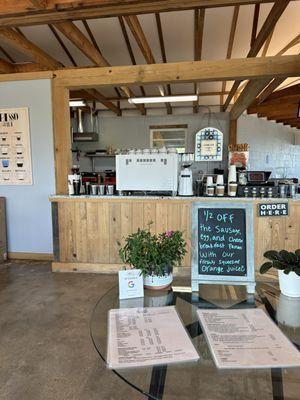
point(155, 255)
point(288, 266)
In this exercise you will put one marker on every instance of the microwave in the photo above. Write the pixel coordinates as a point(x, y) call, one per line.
point(147, 172)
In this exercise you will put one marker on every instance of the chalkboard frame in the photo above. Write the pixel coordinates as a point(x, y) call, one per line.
point(248, 279)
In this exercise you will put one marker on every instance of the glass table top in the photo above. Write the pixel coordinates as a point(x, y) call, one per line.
point(202, 380)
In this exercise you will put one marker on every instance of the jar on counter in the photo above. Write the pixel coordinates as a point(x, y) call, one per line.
point(262, 192)
point(254, 192)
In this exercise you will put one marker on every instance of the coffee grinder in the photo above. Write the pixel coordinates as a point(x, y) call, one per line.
point(186, 175)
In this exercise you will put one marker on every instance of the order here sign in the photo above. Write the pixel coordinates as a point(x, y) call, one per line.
point(273, 209)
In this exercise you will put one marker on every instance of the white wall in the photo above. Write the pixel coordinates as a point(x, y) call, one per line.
point(28, 208)
point(272, 146)
point(134, 132)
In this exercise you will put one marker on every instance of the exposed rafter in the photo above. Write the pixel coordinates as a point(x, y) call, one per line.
point(139, 36)
point(162, 46)
point(231, 41)
point(20, 42)
point(255, 23)
point(199, 16)
point(6, 67)
point(269, 24)
point(63, 46)
point(64, 10)
point(74, 34)
point(247, 96)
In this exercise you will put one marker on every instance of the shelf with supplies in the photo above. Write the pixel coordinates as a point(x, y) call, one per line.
point(99, 155)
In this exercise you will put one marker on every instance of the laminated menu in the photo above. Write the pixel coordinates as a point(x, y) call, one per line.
point(147, 336)
point(247, 338)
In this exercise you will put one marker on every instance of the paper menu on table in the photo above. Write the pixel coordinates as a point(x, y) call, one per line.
point(246, 338)
point(147, 336)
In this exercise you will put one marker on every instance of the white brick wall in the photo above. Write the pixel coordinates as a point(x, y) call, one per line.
point(272, 145)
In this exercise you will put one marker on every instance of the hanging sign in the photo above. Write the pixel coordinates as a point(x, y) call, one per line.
point(222, 235)
point(15, 154)
point(208, 145)
point(273, 209)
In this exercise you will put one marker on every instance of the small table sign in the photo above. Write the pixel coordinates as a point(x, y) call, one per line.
point(131, 284)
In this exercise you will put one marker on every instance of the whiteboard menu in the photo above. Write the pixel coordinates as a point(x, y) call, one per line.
point(147, 336)
point(247, 338)
point(15, 154)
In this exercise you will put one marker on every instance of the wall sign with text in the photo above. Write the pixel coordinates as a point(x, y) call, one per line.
point(15, 154)
point(273, 209)
point(222, 236)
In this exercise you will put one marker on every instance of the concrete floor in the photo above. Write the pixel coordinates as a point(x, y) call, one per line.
point(45, 348)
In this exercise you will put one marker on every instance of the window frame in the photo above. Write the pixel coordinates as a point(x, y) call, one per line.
point(168, 129)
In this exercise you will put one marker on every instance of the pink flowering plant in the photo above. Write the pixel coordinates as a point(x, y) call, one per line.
point(153, 254)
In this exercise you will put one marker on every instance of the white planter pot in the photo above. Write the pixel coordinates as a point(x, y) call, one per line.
point(289, 284)
point(155, 282)
point(288, 311)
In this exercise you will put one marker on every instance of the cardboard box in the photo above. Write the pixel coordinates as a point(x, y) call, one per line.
point(3, 240)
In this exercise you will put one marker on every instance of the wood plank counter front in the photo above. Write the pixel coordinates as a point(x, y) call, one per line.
point(87, 230)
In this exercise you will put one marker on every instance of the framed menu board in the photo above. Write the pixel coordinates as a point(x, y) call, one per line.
point(15, 153)
point(222, 236)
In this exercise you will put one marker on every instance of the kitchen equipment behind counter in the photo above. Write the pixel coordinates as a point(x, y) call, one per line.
point(147, 172)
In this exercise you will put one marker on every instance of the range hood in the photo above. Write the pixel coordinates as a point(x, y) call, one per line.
point(84, 136)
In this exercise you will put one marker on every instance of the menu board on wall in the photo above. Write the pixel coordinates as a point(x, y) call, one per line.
point(15, 154)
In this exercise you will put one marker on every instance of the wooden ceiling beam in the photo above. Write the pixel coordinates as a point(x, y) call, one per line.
point(20, 42)
point(254, 23)
point(247, 96)
point(188, 71)
point(129, 48)
point(96, 95)
point(289, 121)
point(199, 15)
point(74, 34)
point(270, 108)
point(62, 45)
point(136, 29)
point(23, 14)
point(230, 43)
point(269, 24)
point(6, 67)
point(162, 46)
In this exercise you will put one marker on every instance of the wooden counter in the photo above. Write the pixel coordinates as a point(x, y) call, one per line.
point(87, 230)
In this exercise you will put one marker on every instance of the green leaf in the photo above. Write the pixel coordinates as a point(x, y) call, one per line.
point(271, 255)
point(287, 270)
point(279, 264)
point(288, 257)
point(265, 267)
point(297, 271)
point(297, 252)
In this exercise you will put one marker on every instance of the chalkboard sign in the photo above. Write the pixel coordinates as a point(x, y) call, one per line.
point(222, 235)
point(222, 241)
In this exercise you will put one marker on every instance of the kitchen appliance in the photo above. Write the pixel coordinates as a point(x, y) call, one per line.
point(88, 179)
point(147, 172)
point(81, 135)
point(258, 177)
point(186, 175)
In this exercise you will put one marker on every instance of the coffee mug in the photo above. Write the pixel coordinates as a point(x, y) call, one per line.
point(5, 163)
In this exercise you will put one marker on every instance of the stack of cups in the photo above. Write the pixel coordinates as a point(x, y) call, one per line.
point(220, 189)
point(210, 189)
point(232, 185)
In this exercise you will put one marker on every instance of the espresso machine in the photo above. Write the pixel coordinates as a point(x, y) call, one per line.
point(186, 175)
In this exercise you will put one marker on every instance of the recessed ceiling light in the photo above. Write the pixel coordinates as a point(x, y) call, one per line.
point(162, 99)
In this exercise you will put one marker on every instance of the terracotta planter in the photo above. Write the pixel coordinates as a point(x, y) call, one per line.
point(289, 284)
point(155, 282)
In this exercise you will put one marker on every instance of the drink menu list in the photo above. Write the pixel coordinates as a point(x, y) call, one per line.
point(222, 241)
point(147, 336)
point(15, 156)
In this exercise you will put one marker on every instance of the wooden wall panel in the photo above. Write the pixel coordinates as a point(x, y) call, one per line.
point(81, 232)
point(114, 232)
point(90, 231)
